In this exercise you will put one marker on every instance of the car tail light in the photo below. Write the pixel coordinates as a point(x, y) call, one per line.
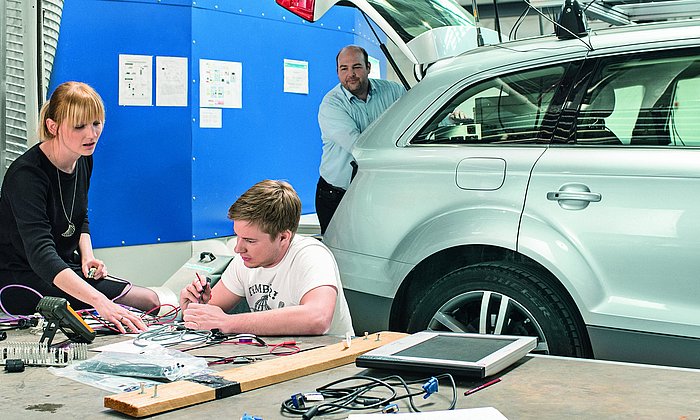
point(301, 8)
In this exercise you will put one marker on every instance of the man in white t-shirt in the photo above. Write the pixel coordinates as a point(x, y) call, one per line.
point(291, 283)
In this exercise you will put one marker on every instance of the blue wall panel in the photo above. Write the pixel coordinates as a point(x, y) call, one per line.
point(140, 190)
point(158, 176)
point(275, 135)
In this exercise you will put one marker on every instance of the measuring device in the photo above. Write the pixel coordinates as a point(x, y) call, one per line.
point(59, 315)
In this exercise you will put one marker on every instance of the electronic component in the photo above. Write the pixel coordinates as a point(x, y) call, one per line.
point(36, 354)
point(59, 315)
point(464, 354)
point(391, 408)
point(14, 365)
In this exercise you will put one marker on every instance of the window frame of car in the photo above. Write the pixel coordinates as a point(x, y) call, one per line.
point(591, 74)
point(561, 115)
point(548, 122)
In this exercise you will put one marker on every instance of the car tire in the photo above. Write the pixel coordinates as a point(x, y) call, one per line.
point(517, 299)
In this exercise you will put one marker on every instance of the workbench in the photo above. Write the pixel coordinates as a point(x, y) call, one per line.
point(538, 387)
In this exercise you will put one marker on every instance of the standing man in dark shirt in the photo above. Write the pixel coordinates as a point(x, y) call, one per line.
point(345, 112)
point(45, 245)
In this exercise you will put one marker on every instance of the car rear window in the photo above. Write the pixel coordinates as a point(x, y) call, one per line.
point(504, 109)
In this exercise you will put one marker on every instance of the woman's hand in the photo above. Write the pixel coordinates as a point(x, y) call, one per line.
point(94, 269)
point(121, 317)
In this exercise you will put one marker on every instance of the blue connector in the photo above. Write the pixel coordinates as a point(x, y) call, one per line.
point(430, 387)
point(298, 400)
point(247, 416)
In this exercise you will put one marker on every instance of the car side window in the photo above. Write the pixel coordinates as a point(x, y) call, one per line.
point(650, 100)
point(505, 109)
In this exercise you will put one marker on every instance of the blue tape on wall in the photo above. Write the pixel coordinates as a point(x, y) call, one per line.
point(159, 177)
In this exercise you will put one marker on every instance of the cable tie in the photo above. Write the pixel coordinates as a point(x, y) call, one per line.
point(430, 387)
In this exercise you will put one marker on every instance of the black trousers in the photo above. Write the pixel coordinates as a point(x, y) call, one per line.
point(327, 200)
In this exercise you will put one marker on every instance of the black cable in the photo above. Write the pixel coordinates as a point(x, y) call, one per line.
point(176, 331)
point(514, 29)
point(345, 398)
point(360, 397)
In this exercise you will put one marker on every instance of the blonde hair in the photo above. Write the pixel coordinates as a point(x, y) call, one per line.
point(72, 103)
point(273, 206)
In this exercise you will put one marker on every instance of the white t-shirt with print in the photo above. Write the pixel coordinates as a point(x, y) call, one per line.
point(307, 264)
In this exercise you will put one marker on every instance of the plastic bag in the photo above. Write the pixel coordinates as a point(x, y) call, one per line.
point(156, 362)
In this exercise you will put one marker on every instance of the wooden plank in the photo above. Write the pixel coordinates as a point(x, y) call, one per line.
point(185, 393)
point(171, 396)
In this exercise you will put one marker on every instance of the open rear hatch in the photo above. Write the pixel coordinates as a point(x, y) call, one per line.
point(424, 30)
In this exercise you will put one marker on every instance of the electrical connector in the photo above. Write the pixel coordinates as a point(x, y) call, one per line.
point(24, 323)
point(430, 387)
point(247, 416)
point(311, 413)
point(298, 400)
point(217, 335)
point(391, 408)
point(14, 365)
point(367, 401)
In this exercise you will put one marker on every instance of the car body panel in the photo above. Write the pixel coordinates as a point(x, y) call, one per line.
point(368, 274)
point(644, 229)
point(616, 228)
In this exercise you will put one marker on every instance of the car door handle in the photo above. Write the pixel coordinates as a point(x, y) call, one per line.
point(573, 195)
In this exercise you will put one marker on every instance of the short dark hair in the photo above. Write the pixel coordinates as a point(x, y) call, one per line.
point(272, 205)
point(356, 48)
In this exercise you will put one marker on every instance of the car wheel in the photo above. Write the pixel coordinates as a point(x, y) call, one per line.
point(503, 298)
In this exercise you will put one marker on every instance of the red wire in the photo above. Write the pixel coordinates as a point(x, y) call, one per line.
point(289, 346)
point(166, 317)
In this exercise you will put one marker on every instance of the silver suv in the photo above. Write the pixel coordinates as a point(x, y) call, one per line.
point(565, 209)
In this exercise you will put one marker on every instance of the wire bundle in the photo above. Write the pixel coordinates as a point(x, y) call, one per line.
point(91, 316)
point(100, 324)
point(366, 394)
point(284, 348)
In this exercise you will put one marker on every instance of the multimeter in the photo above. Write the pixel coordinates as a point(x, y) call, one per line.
point(59, 315)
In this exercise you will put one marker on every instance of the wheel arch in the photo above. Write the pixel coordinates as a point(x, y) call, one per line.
point(567, 262)
point(437, 265)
